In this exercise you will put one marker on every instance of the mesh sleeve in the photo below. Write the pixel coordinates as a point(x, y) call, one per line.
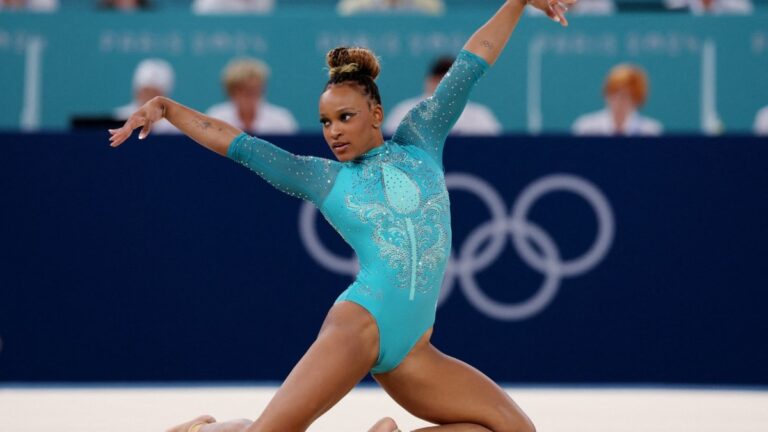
point(306, 177)
point(427, 125)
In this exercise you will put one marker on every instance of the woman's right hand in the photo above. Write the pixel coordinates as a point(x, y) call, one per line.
point(144, 117)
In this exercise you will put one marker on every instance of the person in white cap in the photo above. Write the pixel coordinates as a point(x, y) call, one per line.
point(153, 77)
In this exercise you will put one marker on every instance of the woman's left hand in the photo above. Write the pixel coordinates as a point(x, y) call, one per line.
point(555, 9)
point(144, 117)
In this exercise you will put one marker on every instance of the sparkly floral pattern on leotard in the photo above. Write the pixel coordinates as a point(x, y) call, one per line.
point(409, 229)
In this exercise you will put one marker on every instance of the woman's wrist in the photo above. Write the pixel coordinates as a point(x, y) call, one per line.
point(163, 102)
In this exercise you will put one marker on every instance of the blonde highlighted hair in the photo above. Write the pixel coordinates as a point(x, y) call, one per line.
point(355, 65)
point(344, 60)
point(241, 70)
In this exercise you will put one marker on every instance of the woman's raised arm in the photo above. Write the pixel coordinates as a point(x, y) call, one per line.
point(489, 40)
point(209, 132)
point(427, 125)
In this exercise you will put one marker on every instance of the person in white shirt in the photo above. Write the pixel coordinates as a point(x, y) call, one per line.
point(712, 7)
point(245, 81)
point(29, 5)
point(593, 7)
point(351, 7)
point(152, 77)
point(204, 7)
point(625, 91)
point(761, 122)
point(476, 119)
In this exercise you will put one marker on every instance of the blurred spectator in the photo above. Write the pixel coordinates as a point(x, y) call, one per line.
point(153, 77)
point(245, 82)
point(232, 6)
point(475, 120)
point(350, 7)
point(125, 5)
point(592, 7)
point(712, 7)
point(761, 122)
point(29, 5)
point(625, 90)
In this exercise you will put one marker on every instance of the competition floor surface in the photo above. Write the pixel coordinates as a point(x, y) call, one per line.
point(133, 409)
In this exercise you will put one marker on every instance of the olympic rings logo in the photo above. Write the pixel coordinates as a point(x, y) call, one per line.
point(525, 234)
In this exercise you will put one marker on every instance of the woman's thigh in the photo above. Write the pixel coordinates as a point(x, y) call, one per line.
point(344, 352)
point(443, 390)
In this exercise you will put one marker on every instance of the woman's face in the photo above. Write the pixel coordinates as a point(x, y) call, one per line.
point(351, 121)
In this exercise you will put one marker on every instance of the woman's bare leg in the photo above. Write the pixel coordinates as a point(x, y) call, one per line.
point(451, 394)
point(343, 353)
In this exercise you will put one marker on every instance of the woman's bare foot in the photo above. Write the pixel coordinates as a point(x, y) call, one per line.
point(188, 426)
point(384, 425)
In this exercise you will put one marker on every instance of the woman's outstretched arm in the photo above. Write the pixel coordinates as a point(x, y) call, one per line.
point(489, 40)
point(305, 177)
point(209, 132)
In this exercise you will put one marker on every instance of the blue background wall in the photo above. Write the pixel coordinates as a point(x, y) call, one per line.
point(162, 261)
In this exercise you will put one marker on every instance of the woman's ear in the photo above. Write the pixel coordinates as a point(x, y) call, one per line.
point(378, 116)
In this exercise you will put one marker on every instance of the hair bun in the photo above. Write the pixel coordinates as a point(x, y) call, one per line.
point(352, 60)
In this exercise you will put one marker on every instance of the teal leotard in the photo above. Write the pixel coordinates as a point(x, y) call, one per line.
point(391, 205)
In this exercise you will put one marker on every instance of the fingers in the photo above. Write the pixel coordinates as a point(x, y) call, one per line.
point(557, 10)
point(119, 136)
point(145, 130)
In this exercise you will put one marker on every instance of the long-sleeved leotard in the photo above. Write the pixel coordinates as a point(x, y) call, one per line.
point(391, 206)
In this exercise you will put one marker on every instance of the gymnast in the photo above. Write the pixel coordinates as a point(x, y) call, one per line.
point(388, 200)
